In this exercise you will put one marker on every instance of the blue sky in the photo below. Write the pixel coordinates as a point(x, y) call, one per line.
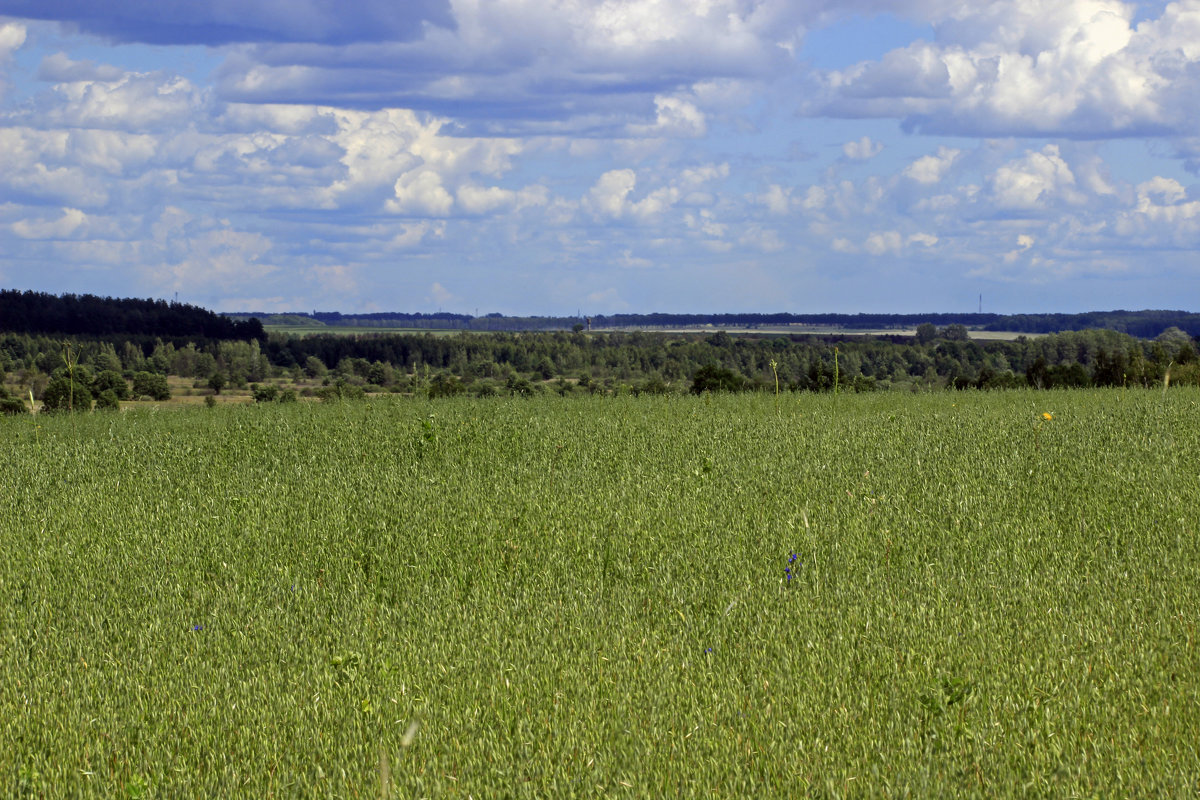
point(554, 156)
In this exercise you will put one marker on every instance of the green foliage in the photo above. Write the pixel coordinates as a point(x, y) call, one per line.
point(10, 405)
point(268, 393)
point(151, 385)
point(63, 394)
point(341, 390)
point(217, 381)
point(712, 378)
point(443, 385)
point(314, 367)
point(110, 381)
point(107, 400)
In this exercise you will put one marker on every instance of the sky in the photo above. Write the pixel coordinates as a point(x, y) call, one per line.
point(555, 157)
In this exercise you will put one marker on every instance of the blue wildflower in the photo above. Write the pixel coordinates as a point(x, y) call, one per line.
point(197, 627)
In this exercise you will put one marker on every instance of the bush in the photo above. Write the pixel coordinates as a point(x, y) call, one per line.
point(64, 394)
point(113, 381)
point(444, 385)
point(716, 379)
point(108, 401)
point(11, 405)
point(341, 390)
point(152, 385)
point(265, 394)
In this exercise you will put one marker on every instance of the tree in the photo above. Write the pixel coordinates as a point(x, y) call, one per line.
point(107, 401)
point(955, 333)
point(265, 394)
point(712, 378)
point(315, 367)
point(65, 394)
point(216, 382)
point(111, 381)
point(152, 385)
point(926, 332)
point(444, 385)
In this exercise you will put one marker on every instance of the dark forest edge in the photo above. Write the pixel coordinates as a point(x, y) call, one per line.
point(1145, 324)
point(90, 315)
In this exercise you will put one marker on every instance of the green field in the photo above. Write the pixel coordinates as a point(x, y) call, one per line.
point(598, 597)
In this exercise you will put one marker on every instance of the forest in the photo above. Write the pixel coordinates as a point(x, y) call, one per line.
point(89, 315)
point(1144, 324)
point(53, 368)
point(71, 351)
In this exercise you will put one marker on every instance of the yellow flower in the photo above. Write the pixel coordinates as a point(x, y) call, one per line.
point(1047, 415)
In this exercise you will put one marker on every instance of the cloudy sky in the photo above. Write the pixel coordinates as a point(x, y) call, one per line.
point(554, 156)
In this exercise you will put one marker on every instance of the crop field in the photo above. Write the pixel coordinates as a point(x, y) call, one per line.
point(967, 594)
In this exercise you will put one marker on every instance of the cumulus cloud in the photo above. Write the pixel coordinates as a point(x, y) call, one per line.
point(1077, 68)
point(644, 68)
point(12, 36)
point(421, 193)
point(931, 169)
point(607, 197)
point(68, 224)
point(612, 197)
point(893, 242)
point(675, 117)
point(130, 102)
point(862, 149)
point(60, 68)
point(1034, 180)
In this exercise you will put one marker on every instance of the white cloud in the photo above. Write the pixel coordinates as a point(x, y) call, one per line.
point(607, 198)
point(777, 199)
point(1162, 207)
point(1034, 67)
point(420, 193)
point(931, 169)
point(878, 244)
point(441, 295)
point(863, 149)
point(1034, 180)
point(66, 225)
point(133, 102)
point(674, 117)
point(12, 36)
point(412, 234)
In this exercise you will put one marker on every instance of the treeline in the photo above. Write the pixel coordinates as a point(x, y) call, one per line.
point(88, 315)
point(801, 362)
point(1143, 324)
point(574, 362)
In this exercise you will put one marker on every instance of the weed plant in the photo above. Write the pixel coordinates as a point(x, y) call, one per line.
point(860, 595)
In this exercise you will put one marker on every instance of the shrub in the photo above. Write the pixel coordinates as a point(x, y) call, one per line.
point(152, 385)
point(64, 394)
point(113, 381)
point(108, 401)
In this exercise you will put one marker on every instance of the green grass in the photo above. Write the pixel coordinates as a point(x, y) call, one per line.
point(588, 597)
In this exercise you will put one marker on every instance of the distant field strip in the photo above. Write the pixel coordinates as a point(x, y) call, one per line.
point(985, 594)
